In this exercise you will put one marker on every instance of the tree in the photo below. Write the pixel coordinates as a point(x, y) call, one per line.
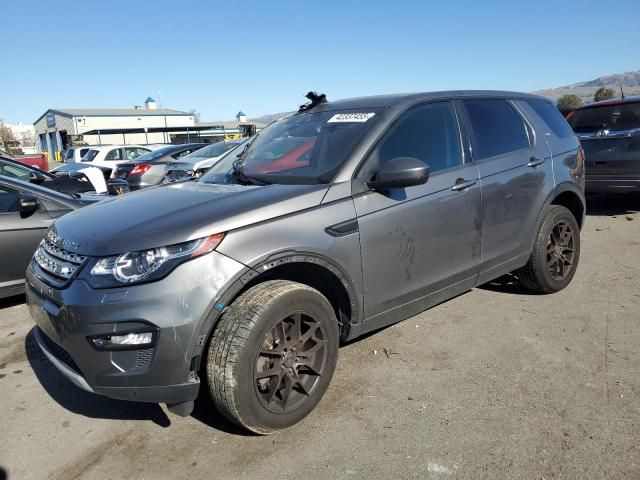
point(566, 102)
point(195, 114)
point(604, 94)
point(7, 137)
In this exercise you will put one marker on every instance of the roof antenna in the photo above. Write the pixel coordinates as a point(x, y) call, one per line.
point(621, 91)
point(315, 100)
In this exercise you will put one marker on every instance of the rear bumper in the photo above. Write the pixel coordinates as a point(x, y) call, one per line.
point(612, 183)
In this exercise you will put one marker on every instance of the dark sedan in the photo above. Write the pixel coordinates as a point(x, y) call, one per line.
point(609, 132)
point(26, 212)
point(149, 169)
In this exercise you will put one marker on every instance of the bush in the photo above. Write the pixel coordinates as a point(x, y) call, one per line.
point(604, 94)
point(567, 102)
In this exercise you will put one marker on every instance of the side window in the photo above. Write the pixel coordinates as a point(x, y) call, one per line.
point(496, 128)
point(184, 153)
point(429, 133)
point(552, 117)
point(134, 152)
point(8, 200)
point(115, 154)
point(14, 171)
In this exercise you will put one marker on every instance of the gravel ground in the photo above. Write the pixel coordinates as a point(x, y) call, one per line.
point(493, 384)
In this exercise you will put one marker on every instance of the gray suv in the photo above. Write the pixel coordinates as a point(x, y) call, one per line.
point(332, 222)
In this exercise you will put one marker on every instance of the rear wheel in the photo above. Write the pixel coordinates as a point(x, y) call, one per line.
point(272, 355)
point(555, 254)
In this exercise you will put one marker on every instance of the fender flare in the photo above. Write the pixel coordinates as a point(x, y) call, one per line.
point(557, 190)
point(254, 271)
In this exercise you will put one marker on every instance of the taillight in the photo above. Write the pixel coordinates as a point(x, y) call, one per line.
point(140, 169)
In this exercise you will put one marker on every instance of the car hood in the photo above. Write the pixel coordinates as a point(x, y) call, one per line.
point(176, 213)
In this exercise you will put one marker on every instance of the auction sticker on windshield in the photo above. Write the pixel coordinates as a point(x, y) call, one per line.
point(350, 117)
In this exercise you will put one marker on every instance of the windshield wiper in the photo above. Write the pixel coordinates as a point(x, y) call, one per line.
point(241, 177)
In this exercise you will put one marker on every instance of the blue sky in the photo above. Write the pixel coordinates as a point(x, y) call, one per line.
point(262, 56)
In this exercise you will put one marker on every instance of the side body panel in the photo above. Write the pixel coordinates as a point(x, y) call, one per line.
point(515, 186)
point(418, 240)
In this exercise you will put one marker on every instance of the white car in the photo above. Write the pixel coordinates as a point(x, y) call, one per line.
point(198, 162)
point(75, 154)
point(111, 155)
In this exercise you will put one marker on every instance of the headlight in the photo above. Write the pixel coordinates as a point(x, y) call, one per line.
point(151, 264)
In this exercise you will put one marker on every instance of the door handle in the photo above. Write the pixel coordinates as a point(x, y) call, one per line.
point(462, 184)
point(534, 162)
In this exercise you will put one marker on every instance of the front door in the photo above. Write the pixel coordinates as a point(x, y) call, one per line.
point(19, 237)
point(420, 244)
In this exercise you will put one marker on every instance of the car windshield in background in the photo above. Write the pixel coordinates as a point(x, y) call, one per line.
point(210, 151)
point(149, 156)
point(307, 148)
point(623, 116)
point(89, 156)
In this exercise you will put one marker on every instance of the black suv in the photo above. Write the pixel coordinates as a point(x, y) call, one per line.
point(610, 135)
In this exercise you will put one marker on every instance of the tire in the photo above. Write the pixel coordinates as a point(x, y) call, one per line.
point(551, 266)
point(272, 355)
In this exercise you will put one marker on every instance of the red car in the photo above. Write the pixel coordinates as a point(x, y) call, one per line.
point(35, 160)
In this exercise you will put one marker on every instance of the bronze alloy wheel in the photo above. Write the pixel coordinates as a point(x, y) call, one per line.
point(560, 251)
point(290, 362)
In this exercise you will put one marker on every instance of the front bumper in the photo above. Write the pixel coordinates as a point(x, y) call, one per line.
point(175, 307)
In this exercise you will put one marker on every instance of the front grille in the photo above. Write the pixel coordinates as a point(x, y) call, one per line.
point(57, 265)
point(58, 352)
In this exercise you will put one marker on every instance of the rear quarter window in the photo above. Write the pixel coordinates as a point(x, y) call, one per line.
point(552, 117)
point(496, 128)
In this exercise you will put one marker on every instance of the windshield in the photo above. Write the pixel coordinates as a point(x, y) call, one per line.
point(306, 148)
point(625, 116)
point(210, 151)
point(161, 152)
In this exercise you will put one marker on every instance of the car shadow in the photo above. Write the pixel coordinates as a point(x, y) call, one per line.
point(12, 301)
point(91, 405)
point(84, 403)
point(508, 283)
point(609, 205)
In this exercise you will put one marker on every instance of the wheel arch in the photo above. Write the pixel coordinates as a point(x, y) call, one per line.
point(310, 269)
point(567, 195)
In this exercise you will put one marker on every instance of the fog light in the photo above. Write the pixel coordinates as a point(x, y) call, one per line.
point(125, 341)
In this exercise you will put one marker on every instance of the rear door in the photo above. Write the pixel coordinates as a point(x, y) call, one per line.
point(418, 241)
point(515, 171)
point(610, 136)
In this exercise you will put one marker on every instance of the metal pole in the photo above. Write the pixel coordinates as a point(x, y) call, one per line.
point(99, 139)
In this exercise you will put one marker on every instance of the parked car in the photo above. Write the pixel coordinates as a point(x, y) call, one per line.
point(75, 154)
point(195, 164)
point(112, 155)
point(149, 169)
point(253, 279)
point(38, 161)
point(64, 183)
point(26, 212)
point(609, 132)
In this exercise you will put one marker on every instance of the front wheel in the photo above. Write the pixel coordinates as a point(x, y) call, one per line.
point(272, 355)
point(555, 254)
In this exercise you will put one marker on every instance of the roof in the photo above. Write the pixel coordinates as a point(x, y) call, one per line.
point(114, 112)
point(613, 101)
point(383, 101)
point(240, 114)
point(228, 125)
point(149, 99)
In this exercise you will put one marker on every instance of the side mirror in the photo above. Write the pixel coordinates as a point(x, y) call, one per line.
point(28, 204)
point(36, 178)
point(400, 172)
